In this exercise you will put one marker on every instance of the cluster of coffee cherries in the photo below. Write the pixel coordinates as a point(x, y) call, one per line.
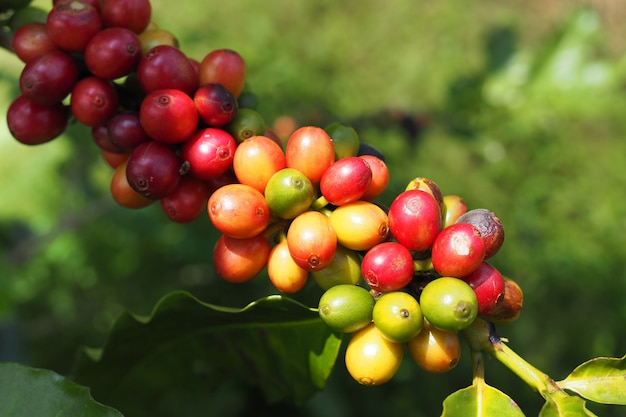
point(167, 123)
point(303, 205)
point(426, 282)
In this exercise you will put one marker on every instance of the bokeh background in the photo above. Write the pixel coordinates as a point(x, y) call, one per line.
point(516, 106)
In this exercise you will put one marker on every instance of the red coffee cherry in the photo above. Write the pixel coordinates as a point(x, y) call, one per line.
point(458, 250)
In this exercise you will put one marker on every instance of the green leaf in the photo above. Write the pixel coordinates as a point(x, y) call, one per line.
point(602, 380)
point(28, 392)
point(565, 406)
point(188, 348)
point(480, 399)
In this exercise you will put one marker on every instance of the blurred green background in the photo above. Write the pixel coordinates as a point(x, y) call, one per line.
point(516, 106)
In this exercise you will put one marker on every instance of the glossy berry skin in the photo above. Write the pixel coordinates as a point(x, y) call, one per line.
point(387, 267)
point(312, 241)
point(458, 250)
point(310, 150)
point(123, 193)
point(344, 268)
point(125, 132)
point(453, 208)
point(32, 124)
point(240, 260)
point(346, 180)
point(100, 136)
point(187, 201)
point(225, 67)
point(215, 104)
point(427, 185)
point(246, 124)
point(256, 159)
point(370, 358)
point(150, 38)
point(398, 316)
point(380, 177)
point(346, 308)
point(31, 41)
point(49, 78)
point(415, 219)
point(209, 153)
point(114, 159)
point(449, 303)
point(238, 211)
point(113, 53)
point(131, 14)
point(360, 225)
point(489, 227)
point(153, 170)
point(510, 307)
point(166, 67)
point(168, 116)
point(345, 139)
point(72, 24)
point(488, 285)
point(289, 193)
point(284, 273)
point(94, 101)
point(435, 350)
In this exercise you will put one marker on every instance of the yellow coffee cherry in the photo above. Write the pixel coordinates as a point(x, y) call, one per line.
point(370, 358)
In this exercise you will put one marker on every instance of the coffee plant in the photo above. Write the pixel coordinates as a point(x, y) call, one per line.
point(408, 277)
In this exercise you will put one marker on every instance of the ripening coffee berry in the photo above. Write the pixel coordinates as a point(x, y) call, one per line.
point(370, 358)
point(240, 260)
point(49, 78)
point(225, 67)
point(131, 14)
point(346, 308)
point(310, 150)
point(360, 225)
point(489, 226)
point(346, 180)
point(71, 24)
point(435, 350)
point(427, 185)
point(488, 284)
point(289, 193)
point(94, 101)
point(209, 153)
point(345, 139)
point(153, 169)
point(453, 208)
point(458, 250)
point(387, 267)
point(345, 268)
point(168, 116)
point(449, 303)
point(398, 316)
point(238, 211)
point(113, 53)
point(165, 67)
point(216, 105)
point(510, 307)
point(312, 240)
point(415, 219)
point(32, 124)
point(284, 273)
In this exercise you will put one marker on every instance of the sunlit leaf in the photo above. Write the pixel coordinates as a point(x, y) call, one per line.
point(602, 380)
point(567, 406)
point(480, 400)
point(187, 348)
point(28, 392)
